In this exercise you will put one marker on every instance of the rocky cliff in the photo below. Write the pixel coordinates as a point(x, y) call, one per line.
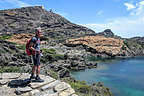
point(100, 44)
point(107, 44)
point(108, 33)
point(24, 20)
point(136, 45)
point(57, 28)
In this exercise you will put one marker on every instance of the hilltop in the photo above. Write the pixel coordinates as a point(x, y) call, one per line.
point(24, 20)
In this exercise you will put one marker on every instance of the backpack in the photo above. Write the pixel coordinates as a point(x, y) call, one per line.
point(28, 51)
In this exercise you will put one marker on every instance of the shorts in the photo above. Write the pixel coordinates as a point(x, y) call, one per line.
point(36, 59)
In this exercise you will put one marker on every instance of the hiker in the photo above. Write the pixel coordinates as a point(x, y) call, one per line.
point(35, 48)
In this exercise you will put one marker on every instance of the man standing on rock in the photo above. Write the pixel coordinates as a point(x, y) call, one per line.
point(35, 47)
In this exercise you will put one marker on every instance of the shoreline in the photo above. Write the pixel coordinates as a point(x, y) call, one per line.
point(133, 58)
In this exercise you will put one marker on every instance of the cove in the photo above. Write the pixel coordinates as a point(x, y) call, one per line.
point(124, 77)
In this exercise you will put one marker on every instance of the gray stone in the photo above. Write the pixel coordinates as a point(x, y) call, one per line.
point(74, 95)
point(48, 91)
point(4, 81)
point(54, 94)
point(10, 75)
point(24, 89)
point(62, 86)
point(7, 91)
point(34, 92)
point(67, 92)
point(47, 79)
point(24, 76)
point(50, 85)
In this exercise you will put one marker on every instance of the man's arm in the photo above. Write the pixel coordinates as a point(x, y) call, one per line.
point(33, 49)
point(31, 46)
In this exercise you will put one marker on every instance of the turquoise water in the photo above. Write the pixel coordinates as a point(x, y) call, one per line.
point(125, 77)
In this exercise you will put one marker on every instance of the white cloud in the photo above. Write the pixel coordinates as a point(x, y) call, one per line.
point(138, 9)
point(125, 27)
point(141, 3)
point(100, 12)
point(18, 3)
point(129, 26)
point(129, 6)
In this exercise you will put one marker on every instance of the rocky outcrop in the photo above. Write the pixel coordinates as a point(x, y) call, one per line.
point(100, 44)
point(20, 38)
point(135, 45)
point(13, 84)
point(108, 33)
point(24, 20)
point(100, 90)
point(11, 55)
point(139, 40)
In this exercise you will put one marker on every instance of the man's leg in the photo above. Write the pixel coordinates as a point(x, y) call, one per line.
point(38, 70)
point(38, 79)
point(33, 68)
point(33, 72)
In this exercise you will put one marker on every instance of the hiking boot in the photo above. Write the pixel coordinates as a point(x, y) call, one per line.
point(38, 79)
point(32, 77)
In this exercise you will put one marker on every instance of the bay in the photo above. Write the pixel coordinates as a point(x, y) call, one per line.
point(125, 77)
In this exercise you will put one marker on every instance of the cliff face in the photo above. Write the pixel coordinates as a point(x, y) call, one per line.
point(24, 20)
point(101, 44)
point(136, 45)
point(54, 26)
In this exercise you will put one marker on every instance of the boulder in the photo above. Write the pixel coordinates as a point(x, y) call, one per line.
point(62, 86)
point(64, 73)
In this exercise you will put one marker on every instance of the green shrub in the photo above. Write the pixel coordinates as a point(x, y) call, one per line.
point(58, 56)
point(51, 50)
point(4, 37)
point(20, 46)
point(53, 74)
point(9, 69)
point(80, 86)
point(2, 51)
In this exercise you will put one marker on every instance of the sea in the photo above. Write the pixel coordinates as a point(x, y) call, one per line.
point(124, 77)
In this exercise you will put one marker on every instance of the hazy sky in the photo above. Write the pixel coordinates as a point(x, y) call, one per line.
point(124, 17)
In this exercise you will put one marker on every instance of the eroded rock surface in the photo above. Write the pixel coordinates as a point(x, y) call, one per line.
point(50, 86)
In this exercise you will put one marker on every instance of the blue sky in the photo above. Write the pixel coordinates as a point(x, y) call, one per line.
point(124, 17)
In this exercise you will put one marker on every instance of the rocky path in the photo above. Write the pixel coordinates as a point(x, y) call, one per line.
point(12, 84)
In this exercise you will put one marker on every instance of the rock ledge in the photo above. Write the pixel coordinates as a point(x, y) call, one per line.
point(50, 86)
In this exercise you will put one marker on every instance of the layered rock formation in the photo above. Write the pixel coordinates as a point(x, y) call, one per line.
point(100, 44)
point(24, 20)
point(23, 87)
